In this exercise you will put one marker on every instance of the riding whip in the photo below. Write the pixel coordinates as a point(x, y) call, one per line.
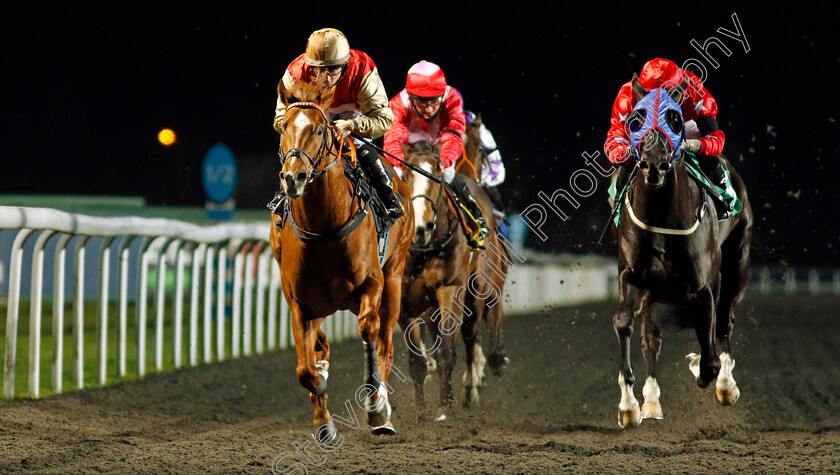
point(409, 165)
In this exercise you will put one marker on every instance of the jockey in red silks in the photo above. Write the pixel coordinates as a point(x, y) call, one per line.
point(428, 109)
point(702, 134)
point(360, 104)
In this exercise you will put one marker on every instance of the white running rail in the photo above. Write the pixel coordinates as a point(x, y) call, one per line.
point(258, 312)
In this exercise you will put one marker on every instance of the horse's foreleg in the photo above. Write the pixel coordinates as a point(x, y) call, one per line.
point(651, 344)
point(311, 373)
point(705, 366)
point(628, 408)
point(447, 320)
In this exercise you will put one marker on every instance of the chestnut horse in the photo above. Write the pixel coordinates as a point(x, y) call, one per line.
point(327, 251)
point(673, 251)
point(448, 285)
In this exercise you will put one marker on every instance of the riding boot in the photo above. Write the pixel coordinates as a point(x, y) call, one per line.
point(467, 201)
point(370, 161)
point(713, 169)
point(621, 179)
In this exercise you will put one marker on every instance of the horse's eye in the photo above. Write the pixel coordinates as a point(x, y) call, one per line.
point(636, 120)
point(675, 120)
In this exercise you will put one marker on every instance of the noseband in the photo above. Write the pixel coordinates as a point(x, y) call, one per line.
point(324, 149)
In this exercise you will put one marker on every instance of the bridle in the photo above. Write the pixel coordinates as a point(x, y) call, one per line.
point(435, 202)
point(330, 146)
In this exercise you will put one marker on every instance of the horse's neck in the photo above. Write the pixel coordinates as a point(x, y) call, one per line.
point(326, 204)
point(672, 204)
point(474, 153)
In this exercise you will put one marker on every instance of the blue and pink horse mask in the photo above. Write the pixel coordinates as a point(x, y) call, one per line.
point(656, 111)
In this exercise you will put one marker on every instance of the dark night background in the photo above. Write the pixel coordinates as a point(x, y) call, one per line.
point(86, 89)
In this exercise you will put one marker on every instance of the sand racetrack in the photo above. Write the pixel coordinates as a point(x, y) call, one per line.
point(554, 410)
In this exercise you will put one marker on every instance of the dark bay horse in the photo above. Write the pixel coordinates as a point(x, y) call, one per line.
point(472, 159)
point(674, 251)
point(448, 285)
point(323, 269)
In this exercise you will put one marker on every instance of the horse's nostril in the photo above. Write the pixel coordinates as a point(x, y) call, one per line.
point(300, 177)
point(643, 165)
point(664, 167)
point(430, 226)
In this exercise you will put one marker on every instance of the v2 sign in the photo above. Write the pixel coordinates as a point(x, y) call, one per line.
point(219, 173)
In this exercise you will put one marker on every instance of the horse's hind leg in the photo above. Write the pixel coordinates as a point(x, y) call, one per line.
point(474, 357)
point(497, 358)
point(651, 344)
point(418, 354)
point(448, 322)
point(376, 403)
point(734, 272)
point(629, 414)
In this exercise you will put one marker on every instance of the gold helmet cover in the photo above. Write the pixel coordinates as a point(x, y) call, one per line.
point(327, 47)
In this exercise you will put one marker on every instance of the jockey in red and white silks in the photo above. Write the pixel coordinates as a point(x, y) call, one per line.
point(442, 118)
point(430, 110)
point(698, 106)
point(703, 136)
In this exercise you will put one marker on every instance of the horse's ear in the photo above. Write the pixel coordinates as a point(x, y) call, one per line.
point(638, 90)
point(284, 94)
point(438, 148)
point(477, 118)
point(325, 99)
point(677, 92)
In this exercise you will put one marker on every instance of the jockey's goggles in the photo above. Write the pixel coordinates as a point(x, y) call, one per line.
point(423, 102)
point(331, 70)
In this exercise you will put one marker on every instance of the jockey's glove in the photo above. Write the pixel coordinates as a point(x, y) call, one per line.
point(691, 145)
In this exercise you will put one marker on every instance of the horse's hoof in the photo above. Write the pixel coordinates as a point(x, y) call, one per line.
point(497, 363)
point(630, 418)
point(384, 429)
point(325, 432)
point(728, 397)
point(431, 365)
point(693, 360)
point(441, 415)
point(652, 410)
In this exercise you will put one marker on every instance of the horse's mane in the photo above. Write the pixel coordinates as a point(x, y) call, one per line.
point(306, 91)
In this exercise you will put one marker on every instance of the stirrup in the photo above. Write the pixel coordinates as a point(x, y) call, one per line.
point(479, 236)
point(395, 209)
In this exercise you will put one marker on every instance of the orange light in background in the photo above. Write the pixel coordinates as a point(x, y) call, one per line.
point(166, 137)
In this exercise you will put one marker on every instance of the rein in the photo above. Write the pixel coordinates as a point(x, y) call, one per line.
point(669, 231)
point(655, 229)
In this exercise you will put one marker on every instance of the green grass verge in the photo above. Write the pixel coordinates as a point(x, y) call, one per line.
point(90, 345)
